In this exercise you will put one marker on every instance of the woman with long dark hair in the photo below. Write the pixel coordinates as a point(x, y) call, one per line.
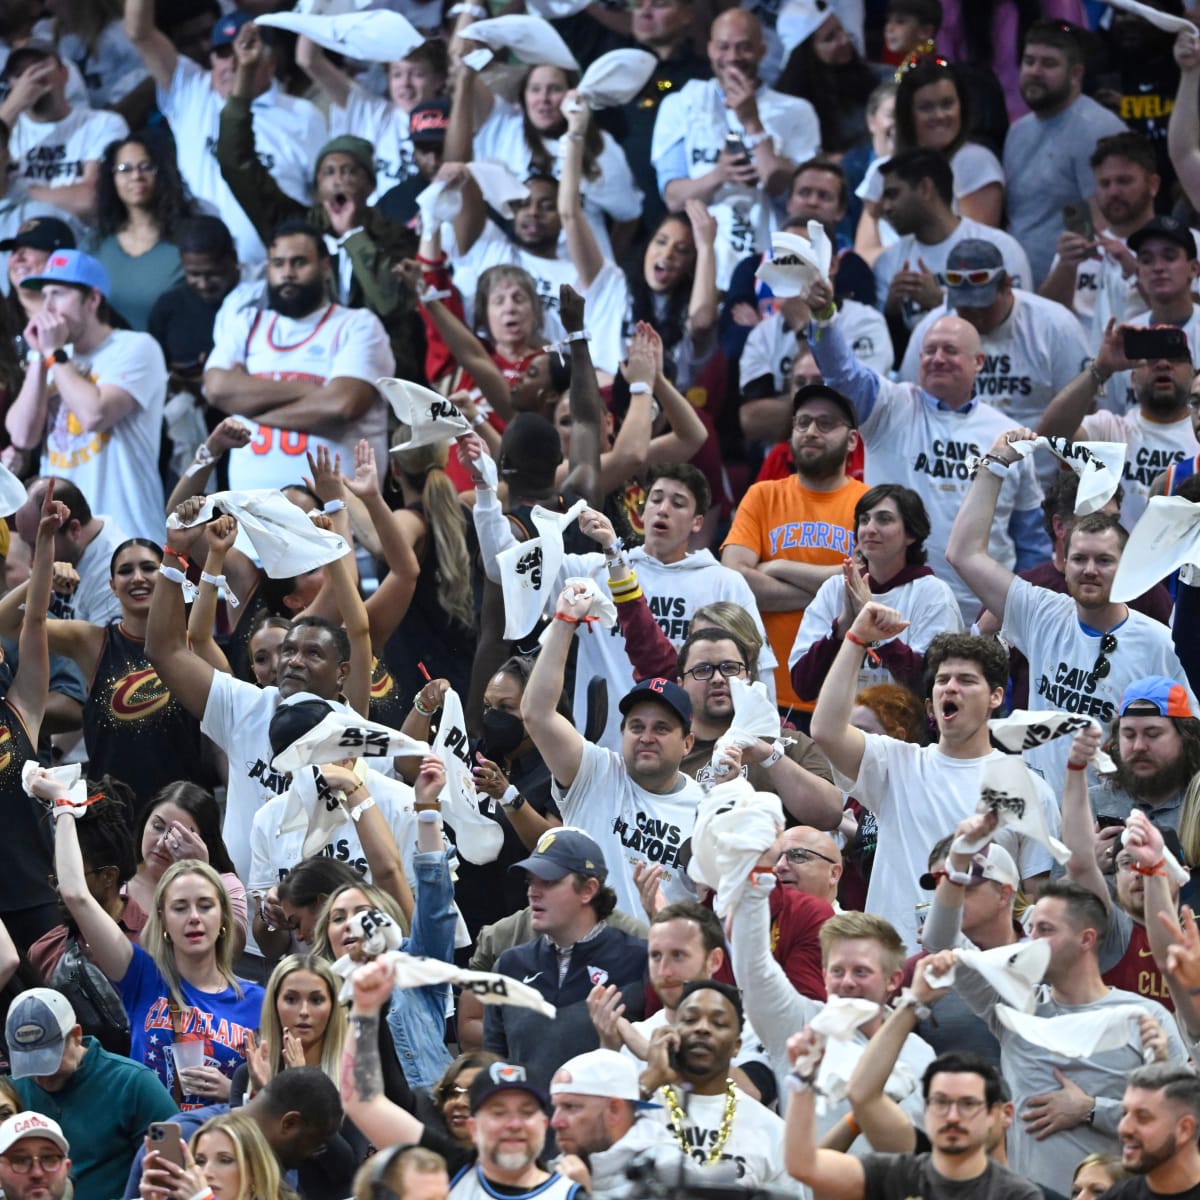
point(140, 204)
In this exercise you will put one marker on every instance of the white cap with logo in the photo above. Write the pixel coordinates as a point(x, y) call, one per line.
point(30, 1125)
point(598, 1073)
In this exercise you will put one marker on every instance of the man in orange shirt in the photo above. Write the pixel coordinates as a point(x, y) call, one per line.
point(790, 535)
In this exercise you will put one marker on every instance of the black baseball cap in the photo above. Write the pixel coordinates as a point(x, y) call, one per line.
point(41, 233)
point(427, 123)
point(503, 1077)
point(666, 692)
point(1169, 230)
point(822, 391)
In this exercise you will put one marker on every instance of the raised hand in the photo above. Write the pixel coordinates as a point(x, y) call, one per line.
point(365, 482)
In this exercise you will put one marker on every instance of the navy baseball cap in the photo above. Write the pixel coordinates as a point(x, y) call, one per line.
point(41, 233)
point(1169, 230)
point(226, 29)
point(71, 266)
point(666, 691)
point(561, 852)
point(503, 1077)
point(428, 122)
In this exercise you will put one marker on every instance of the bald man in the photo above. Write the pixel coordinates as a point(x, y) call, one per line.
point(729, 142)
point(931, 431)
point(809, 861)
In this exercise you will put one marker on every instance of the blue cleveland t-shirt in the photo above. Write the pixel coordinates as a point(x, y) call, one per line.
point(220, 1019)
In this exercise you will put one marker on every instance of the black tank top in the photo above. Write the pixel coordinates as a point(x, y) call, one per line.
point(24, 882)
point(134, 729)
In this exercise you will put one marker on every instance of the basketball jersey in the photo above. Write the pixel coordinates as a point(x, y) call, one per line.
point(1178, 472)
point(24, 880)
point(470, 1184)
point(1136, 971)
point(387, 706)
point(134, 729)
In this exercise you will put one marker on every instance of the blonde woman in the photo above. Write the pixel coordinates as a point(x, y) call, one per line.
point(189, 1014)
point(229, 1158)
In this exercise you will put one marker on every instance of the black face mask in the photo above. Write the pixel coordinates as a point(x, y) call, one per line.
point(503, 732)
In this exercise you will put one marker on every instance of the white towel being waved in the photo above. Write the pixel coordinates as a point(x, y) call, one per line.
point(478, 838)
point(529, 569)
point(377, 36)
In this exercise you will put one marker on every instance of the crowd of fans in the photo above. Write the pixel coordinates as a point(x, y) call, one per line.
point(599, 600)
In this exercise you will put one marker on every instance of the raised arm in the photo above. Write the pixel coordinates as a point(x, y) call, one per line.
point(230, 434)
point(967, 549)
point(587, 409)
point(157, 50)
point(219, 536)
point(1065, 412)
point(1183, 129)
point(704, 299)
point(582, 246)
point(558, 741)
point(687, 431)
point(1078, 831)
point(315, 63)
point(831, 729)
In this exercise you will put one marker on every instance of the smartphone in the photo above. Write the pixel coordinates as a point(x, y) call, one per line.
point(736, 147)
point(1105, 822)
point(167, 1138)
point(1077, 218)
point(1152, 344)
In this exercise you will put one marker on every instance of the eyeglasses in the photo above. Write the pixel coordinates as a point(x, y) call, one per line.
point(145, 167)
point(22, 1164)
point(976, 278)
point(52, 878)
point(705, 671)
point(823, 424)
point(969, 1106)
point(801, 855)
point(1108, 646)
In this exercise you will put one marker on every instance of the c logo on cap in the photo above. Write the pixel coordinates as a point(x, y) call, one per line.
point(507, 1073)
point(658, 685)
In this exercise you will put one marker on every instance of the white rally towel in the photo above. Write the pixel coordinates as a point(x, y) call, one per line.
point(1008, 791)
point(555, 10)
point(1161, 20)
point(431, 416)
point(755, 716)
point(317, 808)
point(1097, 464)
point(1013, 971)
point(12, 492)
point(616, 78)
point(529, 569)
point(331, 8)
point(796, 262)
point(1077, 1035)
point(735, 826)
point(1166, 537)
point(376, 36)
point(440, 203)
point(532, 40)
point(69, 776)
point(342, 735)
point(1022, 730)
point(478, 838)
point(286, 541)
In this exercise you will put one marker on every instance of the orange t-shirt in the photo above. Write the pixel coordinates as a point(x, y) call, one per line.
point(780, 519)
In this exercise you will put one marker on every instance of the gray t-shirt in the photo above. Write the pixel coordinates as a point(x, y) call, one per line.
point(902, 1176)
point(1046, 166)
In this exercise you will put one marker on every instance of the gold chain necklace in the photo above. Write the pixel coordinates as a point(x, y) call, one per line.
point(679, 1119)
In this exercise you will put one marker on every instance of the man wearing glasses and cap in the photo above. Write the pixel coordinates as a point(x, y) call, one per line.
point(35, 1161)
point(1032, 347)
point(287, 129)
point(1083, 648)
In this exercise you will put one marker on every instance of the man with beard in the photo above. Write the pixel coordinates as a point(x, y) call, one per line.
point(1047, 152)
point(926, 432)
point(1083, 648)
point(962, 1094)
point(302, 371)
point(688, 1074)
point(790, 535)
point(93, 395)
point(54, 146)
point(1158, 431)
point(1159, 1119)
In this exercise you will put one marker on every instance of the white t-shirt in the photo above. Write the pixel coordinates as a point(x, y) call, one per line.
point(606, 300)
point(918, 795)
point(385, 126)
point(111, 69)
point(1027, 359)
point(910, 439)
point(273, 854)
point(695, 119)
point(1062, 653)
point(288, 132)
point(630, 824)
point(115, 468)
point(909, 250)
point(972, 165)
point(674, 591)
point(1153, 447)
point(54, 153)
point(926, 603)
point(94, 600)
point(613, 193)
point(331, 343)
point(771, 347)
point(1118, 395)
point(754, 1145)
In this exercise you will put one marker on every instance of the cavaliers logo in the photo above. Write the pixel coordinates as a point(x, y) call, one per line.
point(382, 683)
point(6, 748)
point(138, 695)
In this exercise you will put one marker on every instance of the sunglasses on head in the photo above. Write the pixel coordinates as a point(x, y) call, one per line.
point(974, 278)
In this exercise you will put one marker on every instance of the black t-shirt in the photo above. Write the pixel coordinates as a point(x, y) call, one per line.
point(1136, 1188)
point(901, 1176)
point(182, 324)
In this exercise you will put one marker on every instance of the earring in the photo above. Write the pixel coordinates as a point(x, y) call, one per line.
point(222, 933)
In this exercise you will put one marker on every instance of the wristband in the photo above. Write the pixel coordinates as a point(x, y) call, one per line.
point(1094, 371)
point(429, 816)
point(478, 420)
point(190, 590)
point(799, 1083)
point(614, 551)
point(574, 137)
point(1072, 767)
point(357, 811)
point(204, 458)
point(962, 878)
point(219, 581)
point(826, 314)
point(477, 11)
point(588, 621)
point(512, 799)
point(854, 640)
point(425, 712)
point(1159, 868)
point(332, 506)
point(851, 1124)
point(638, 388)
point(183, 558)
point(908, 999)
point(776, 754)
point(429, 295)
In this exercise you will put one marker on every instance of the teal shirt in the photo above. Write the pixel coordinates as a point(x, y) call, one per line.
point(103, 1110)
point(138, 282)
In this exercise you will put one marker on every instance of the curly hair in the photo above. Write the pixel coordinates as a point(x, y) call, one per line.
point(171, 203)
point(900, 711)
point(990, 656)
